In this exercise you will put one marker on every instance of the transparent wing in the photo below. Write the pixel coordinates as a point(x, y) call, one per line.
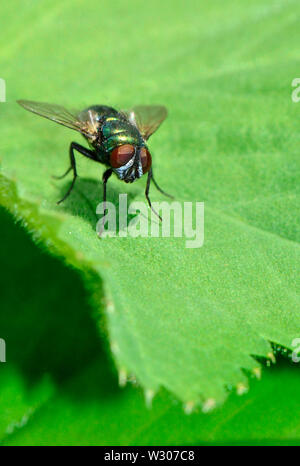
point(147, 118)
point(62, 116)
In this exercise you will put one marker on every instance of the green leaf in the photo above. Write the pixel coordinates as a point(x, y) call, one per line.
point(188, 320)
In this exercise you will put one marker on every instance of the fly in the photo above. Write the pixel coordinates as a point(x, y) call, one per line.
point(117, 139)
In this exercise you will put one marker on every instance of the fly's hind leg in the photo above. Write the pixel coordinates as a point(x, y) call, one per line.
point(82, 150)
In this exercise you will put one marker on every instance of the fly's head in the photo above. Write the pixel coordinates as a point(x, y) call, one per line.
point(130, 162)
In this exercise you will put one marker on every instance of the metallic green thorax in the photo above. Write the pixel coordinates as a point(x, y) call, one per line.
point(113, 130)
point(117, 131)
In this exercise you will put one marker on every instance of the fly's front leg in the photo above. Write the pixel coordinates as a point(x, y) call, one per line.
point(82, 150)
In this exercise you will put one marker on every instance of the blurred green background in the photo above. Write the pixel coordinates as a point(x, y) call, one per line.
point(224, 70)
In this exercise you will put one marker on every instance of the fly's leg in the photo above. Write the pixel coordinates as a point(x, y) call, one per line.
point(82, 150)
point(106, 175)
point(159, 189)
point(62, 176)
point(147, 193)
point(72, 167)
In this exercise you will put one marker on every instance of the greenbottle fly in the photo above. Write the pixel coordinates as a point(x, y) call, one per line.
point(117, 139)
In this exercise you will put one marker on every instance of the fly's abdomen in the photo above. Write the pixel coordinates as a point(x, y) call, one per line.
point(117, 132)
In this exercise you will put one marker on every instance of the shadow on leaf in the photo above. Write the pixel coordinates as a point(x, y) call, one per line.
point(88, 193)
point(45, 317)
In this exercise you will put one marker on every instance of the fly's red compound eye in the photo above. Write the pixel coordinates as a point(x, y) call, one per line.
point(121, 155)
point(145, 159)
